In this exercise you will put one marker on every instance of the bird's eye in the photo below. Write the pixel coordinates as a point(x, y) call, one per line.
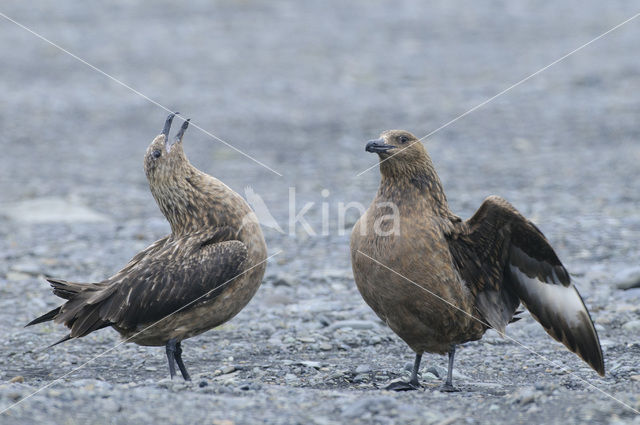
point(156, 153)
point(403, 139)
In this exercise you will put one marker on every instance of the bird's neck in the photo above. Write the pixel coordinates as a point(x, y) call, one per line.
point(191, 201)
point(414, 185)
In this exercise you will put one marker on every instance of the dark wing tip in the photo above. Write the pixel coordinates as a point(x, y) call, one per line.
point(563, 314)
point(588, 344)
point(61, 340)
point(45, 317)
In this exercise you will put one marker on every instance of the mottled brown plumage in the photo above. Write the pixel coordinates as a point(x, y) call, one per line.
point(439, 281)
point(194, 279)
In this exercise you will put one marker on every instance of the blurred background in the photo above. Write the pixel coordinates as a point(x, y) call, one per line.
point(301, 87)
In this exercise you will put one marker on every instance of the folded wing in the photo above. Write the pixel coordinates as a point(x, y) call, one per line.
point(175, 275)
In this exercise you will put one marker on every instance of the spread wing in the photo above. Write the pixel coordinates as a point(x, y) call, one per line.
point(504, 259)
point(182, 270)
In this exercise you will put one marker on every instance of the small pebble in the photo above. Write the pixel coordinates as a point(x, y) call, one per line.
point(228, 369)
point(363, 368)
point(632, 325)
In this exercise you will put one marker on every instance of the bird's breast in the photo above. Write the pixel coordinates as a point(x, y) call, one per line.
point(408, 278)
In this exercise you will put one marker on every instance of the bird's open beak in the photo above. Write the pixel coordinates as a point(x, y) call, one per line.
point(377, 146)
point(165, 131)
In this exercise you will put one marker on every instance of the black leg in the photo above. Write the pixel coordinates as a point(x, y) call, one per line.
point(448, 385)
point(413, 384)
point(414, 373)
point(183, 369)
point(171, 356)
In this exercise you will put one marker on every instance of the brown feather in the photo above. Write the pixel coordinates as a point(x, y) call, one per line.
point(473, 273)
point(215, 247)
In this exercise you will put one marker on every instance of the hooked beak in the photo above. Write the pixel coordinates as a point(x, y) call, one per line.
point(377, 146)
point(165, 131)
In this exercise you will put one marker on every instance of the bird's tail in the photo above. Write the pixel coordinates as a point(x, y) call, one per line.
point(67, 290)
point(62, 289)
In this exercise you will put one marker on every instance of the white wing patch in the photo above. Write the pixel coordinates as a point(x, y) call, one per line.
point(553, 299)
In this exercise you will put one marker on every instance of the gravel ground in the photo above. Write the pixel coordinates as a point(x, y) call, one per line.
point(301, 86)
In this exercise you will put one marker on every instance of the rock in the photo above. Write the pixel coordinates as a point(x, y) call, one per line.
point(109, 405)
point(441, 373)
point(627, 278)
point(228, 369)
point(288, 340)
point(353, 324)
point(336, 375)
point(284, 280)
point(51, 210)
point(311, 364)
point(325, 346)
point(524, 396)
point(370, 405)
point(16, 276)
point(632, 326)
point(360, 378)
point(324, 320)
point(438, 371)
point(27, 268)
point(290, 377)
point(363, 368)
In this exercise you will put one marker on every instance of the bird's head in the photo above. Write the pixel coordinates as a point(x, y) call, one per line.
point(165, 156)
point(399, 152)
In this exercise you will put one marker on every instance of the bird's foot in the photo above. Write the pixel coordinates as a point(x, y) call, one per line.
point(448, 387)
point(403, 386)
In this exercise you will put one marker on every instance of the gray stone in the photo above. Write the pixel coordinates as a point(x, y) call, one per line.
point(51, 210)
point(363, 368)
point(28, 268)
point(524, 396)
point(311, 364)
point(632, 326)
point(353, 324)
point(228, 369)
point(369, 405)
point(360, 378)
point(284, 279)
point(438, 371)
point(627, 278)
point(290, 377)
